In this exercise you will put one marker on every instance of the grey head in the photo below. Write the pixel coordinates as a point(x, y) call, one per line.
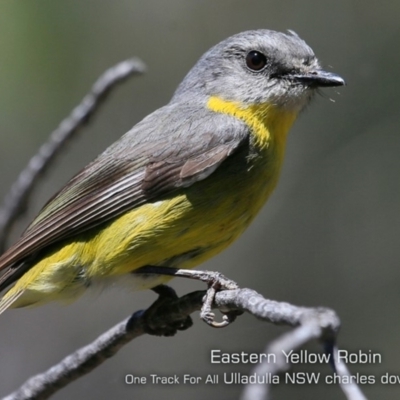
point(254, 67)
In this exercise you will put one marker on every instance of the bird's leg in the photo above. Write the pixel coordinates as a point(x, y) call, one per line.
point(215, 281)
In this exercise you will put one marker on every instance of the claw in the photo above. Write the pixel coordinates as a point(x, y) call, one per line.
point(215, 280)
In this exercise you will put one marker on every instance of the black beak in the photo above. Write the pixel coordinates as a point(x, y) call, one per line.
point(318, 78)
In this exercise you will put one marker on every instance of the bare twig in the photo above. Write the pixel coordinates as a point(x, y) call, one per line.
point(291, 341)
point(318, 323)
point(351, 390)
point(84, 360)
point(284, 344)
point(16, 200)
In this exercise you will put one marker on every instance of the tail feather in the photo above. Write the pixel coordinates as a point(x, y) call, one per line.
point(7, 300)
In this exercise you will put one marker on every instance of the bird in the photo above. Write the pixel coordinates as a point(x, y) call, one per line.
point(181, 185)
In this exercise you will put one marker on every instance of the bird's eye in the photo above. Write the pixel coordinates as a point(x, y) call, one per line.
point(255, 60)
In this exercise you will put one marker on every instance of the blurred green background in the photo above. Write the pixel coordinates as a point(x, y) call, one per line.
point(329, 235)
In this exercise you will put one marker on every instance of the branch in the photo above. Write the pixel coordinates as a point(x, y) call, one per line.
point(15, 202)
point(309, 323)
point(84, 360)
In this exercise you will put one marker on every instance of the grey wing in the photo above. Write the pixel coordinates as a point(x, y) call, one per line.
point(151, 160)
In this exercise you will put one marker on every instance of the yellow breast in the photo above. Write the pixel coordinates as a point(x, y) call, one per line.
point(269, 126)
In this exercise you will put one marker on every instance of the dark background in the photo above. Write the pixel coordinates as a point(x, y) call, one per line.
point(329, 235)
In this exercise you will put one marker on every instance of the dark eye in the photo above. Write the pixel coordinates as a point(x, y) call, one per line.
point(256, 60)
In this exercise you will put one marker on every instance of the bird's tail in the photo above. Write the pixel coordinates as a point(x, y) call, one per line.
point(8, 299)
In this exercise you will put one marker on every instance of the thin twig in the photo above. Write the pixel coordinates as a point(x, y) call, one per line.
point(351, 389)
point(84, 360)
point(284, 344)
point(309, 323)
point(312, 323)
point(16, 200)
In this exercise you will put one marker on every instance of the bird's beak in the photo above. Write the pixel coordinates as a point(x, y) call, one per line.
point(318, 78)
